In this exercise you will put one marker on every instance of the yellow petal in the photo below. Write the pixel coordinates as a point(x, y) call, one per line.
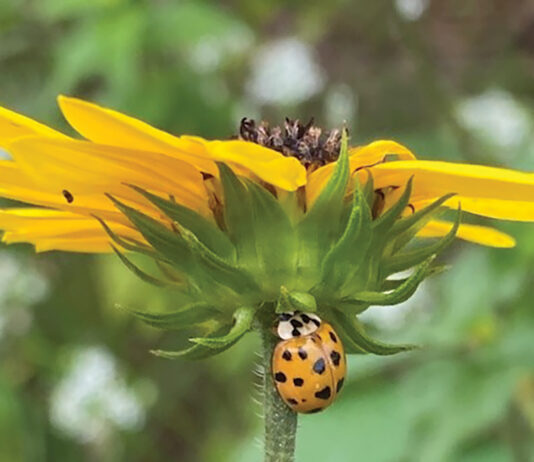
point(13, 126)
point(268, 165)
point(474, 233)
point(492, 208)
point(360, 157)
point(16, 185)
point(434, 179)
point(38, 226)
point(80, 245)
point(82, 167)
point(106, 126)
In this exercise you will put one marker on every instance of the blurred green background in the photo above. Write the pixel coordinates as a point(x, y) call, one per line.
point(453, 80)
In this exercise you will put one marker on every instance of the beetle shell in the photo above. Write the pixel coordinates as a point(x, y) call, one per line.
point(309, 370)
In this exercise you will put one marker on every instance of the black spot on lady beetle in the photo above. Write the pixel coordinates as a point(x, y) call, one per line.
point(315, 411)
point(286, 355)
point(295, 333)
point(302, 354)
point(280, 377)
point(335, 357)
point(298, 382)
point(292, 401)
point(339, 384)
point(325, 393)
point(319, 366)
point(284, 317)
point(333, 337)
point(296, 323)
point(68, 196)
point(305, 318)
point(316, 322)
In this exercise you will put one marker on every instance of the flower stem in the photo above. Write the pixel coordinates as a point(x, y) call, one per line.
point(280, 420)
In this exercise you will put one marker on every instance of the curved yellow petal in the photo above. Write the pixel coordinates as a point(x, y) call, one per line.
point(435, 178)
point(82, 167)
point(38, 226)
point(78, 245)
point(360, 157)
point(473, 233)
point(106, 126)
point(268, 165)
point(492, 208)
point(13, 126)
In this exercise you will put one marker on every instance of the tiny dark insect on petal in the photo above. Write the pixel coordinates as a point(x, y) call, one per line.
point(68, 196)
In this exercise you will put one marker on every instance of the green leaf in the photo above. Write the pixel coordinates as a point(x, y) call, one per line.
point(402, 293)
point(243, 318)
point(321, 224)
point(139, 272)
point(295, 301)
point(356, 339)
point(346, 256)
point(406, 260)
point(190, 316)
point(238, 215)
point(206, 232)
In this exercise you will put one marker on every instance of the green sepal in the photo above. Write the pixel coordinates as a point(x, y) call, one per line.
point(165, 241)
point(238, 215)
point(356, 340)
point(402, 293)
point(243, 318)
point(191, 316)
point(275, 236)
point(348, 253)
point(139, 272)
point(392, 284)
point(409, 259)
point(406, 228)
point(194, 352)
point(295, 301)
point(223, 271)
point(383, 223)
point(129, 244)
point(321, 224)
point(369, 190)
point(206, 232)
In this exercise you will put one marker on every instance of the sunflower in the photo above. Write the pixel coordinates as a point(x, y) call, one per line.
point(287, 218)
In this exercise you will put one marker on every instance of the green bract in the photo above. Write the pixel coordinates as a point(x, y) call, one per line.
point(265, 255)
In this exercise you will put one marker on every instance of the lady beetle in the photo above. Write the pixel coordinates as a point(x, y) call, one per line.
point(309, 363)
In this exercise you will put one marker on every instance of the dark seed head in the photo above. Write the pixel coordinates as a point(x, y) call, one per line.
point(307, 142)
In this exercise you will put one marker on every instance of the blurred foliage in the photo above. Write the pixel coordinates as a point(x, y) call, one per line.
point(453, 80)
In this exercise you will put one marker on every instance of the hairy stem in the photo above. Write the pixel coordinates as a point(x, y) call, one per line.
point(280, 421)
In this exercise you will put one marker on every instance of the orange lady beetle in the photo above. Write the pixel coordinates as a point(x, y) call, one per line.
point(309, 363)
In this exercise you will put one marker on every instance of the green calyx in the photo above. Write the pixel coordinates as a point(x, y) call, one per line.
point(264, 253)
